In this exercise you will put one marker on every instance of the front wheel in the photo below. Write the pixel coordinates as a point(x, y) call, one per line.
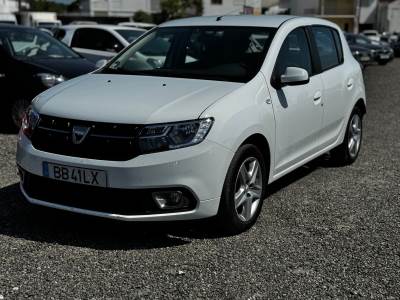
point(244, 190)
point(347, 152)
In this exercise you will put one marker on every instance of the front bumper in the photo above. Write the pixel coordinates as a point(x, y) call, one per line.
point(200, 169)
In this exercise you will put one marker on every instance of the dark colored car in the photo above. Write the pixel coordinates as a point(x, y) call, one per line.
point(363, 55)
point(380, 53)
point(32, 61)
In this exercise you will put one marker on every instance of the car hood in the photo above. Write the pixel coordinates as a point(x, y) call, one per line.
point(68, 67)
point(132, 99)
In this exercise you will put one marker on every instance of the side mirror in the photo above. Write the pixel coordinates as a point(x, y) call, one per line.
point(294, 76)
point(101, 63)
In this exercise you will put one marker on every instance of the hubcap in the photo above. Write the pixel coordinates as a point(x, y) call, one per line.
point(354, 141)
point(248, 189)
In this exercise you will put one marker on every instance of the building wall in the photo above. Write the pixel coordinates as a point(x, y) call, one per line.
point(222, 7)
point(394, 16)
point(118, 7)
point(8, 6)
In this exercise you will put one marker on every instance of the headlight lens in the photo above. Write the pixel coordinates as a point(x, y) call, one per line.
point(29, 122)
point(49, 80)
point(163, 137)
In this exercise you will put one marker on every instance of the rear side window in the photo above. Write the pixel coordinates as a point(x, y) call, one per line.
point(326, 47)
point(95, 39)
point(338, 43)
point(295, 52)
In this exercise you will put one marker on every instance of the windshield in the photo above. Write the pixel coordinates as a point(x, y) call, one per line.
point(130, 35)
point(34, 45)
point(215, 53)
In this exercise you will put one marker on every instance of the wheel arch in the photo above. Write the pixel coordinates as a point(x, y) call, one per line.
point(261, 142)
point(361, 105)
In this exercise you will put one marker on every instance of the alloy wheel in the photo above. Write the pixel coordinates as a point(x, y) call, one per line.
point(354, 140)
point(248, 189)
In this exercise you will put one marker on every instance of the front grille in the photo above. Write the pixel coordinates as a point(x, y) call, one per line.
point(107, 200)
point(104, 141)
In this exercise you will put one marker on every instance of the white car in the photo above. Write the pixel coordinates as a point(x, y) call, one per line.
point(373, 35)
point(142, 25)
point(199, 137)
point(97, 42)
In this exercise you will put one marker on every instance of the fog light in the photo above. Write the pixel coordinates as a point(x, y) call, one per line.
point(170, 200)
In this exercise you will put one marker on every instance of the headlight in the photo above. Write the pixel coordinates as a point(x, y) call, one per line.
point(29, 122)
point(162, 137)
point(356, 53)
point(50, 80)
point(372, 52)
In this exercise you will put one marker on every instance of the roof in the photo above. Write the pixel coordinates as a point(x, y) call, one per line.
point(229, 20)
point(102, 26)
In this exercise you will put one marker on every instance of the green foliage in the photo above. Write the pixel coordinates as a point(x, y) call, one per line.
point(44, 5)
point(142, 16)
point(174, 9)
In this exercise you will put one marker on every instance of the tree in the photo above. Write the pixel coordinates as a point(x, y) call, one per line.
point(174, 9)
point(142, 16)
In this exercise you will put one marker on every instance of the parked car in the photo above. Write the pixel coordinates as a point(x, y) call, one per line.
point(372, 35)
point(379, 53)
point(396, 48)
point(199, 137)
point(363, 55)
point(30, 62)
point(142, 25)
point(97, 42)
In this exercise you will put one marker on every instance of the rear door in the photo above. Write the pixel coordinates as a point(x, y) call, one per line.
point(95, 44)
point(298, 109)
point(337, 81)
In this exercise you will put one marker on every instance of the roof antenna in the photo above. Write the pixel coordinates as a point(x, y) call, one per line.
point(219, 18)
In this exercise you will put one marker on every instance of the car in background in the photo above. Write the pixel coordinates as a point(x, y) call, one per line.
point(379, 53)
point(97, 42)
point(31, 61)
point(372, 35)
point(361, 54)
point(142, 25)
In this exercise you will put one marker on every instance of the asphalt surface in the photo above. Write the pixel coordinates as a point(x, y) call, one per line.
point(324, 232)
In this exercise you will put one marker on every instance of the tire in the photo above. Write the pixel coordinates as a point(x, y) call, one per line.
point(347, 152)
point(383, 62)
point(233, 218)
point(18, 107)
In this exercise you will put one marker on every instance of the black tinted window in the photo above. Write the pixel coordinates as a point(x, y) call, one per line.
point(59, 33)
point(215, 53)
point(95, 39)
point(295, 52)
point(326, 47)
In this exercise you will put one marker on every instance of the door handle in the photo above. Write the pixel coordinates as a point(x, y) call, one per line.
point(317, 96)
point(350, 84)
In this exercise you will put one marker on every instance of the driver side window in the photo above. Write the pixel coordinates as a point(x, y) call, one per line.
point(295, 52)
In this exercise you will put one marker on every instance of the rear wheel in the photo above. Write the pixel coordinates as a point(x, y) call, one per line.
point(348, 151)
point(244, 190)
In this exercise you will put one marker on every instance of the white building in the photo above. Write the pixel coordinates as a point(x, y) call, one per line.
point(8, 6)
point(394, 16)
point(231, 7)
point(118, 8)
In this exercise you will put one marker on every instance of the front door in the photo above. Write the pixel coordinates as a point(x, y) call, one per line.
point(298, 109)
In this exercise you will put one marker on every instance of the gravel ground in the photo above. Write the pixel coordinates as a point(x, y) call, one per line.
point(324, 233)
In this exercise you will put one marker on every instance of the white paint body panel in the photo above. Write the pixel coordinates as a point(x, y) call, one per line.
point(296, 131)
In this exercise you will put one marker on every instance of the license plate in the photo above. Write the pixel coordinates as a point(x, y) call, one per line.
point(384, 56)
point(75, 175)
point(364, 58)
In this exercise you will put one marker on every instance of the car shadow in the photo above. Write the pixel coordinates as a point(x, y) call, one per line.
point(25, 221)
